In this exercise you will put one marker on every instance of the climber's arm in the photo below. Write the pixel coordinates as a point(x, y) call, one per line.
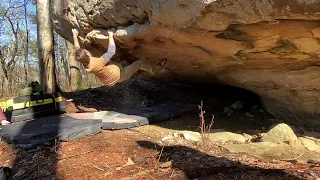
point(111, 49)
point(75, 38)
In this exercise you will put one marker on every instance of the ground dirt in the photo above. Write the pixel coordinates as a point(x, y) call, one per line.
point(141, 153)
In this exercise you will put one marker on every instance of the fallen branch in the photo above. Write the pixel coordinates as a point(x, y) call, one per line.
point(74, 155)
point(156, 165)
point(108, 166)
point(97, 167)
point(151, 176)
point(293, 159)
point(171, 174)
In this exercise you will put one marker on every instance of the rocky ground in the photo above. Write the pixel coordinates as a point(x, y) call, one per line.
point(244, 142)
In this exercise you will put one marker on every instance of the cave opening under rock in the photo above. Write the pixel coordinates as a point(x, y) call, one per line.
point(220, 96)
point(234, 108)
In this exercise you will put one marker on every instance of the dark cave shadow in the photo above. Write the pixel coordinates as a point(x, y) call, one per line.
point(198, 165)
point(136, 90)
point(215, 98)
point(36, 162)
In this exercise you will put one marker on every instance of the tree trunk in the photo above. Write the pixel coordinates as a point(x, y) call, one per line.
point(64, 61)
point(26, 53)
point(2, 86)
point(45, 44)
point(75, 73)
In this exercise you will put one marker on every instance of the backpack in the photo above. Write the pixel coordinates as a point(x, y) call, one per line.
point(34, 88)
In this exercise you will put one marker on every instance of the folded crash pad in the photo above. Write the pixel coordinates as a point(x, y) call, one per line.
point(113, 120)
point(27, 134)
point(129, 118)
point(34, 106)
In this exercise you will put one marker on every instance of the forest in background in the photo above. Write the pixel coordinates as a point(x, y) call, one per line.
point(19, 52)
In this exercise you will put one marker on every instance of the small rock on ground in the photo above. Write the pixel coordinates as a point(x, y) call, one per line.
point(247, 137)
point(309, 144)
point(190, 135)
point(281, 133)
point(228, 110)
point(237, 105)
point(130, 162)
point(166, 164)
point(249, 115)
point(222, 135)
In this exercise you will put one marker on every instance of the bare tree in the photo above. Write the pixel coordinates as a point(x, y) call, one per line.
point(7, 67)
point(26, 46)
point(9, 52)
point(46, 46)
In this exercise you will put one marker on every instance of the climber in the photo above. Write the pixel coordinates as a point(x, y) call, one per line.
point(107, 72)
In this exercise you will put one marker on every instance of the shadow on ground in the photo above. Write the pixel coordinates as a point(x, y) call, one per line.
point(32, 162)
point(198, 165)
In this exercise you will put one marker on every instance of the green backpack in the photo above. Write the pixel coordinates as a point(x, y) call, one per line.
point(34, 88)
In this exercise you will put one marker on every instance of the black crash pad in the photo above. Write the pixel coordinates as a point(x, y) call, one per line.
point(27, 134)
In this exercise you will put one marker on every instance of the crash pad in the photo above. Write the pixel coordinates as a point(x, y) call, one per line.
point(27, 134)
point(34, 106)
point(113, 120)
point(134, 117)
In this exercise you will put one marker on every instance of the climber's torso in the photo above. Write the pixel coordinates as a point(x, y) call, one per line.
point(109, 74)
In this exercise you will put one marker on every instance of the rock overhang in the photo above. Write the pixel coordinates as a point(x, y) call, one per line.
point(268, 47)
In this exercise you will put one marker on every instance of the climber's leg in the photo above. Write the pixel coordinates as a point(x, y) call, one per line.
point(130, 70)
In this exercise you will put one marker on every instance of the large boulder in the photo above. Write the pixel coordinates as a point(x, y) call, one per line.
point(274, 151)
point(269, 47)
point(281, 133)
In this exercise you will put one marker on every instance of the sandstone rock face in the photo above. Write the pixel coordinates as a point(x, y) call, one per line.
point(270, 47)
